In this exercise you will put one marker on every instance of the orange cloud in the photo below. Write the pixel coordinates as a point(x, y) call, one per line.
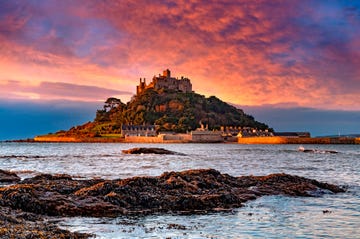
point(245, 52)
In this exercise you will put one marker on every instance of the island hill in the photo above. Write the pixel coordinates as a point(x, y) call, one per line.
point(167, 110)
point(164, 110)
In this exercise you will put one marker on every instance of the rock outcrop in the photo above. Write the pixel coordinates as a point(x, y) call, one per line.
point(16, 224)
point(187, 191)
point(8, 177)
point(23, 206)
point(149, 151)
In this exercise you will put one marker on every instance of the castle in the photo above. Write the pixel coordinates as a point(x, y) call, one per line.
point(165, 81)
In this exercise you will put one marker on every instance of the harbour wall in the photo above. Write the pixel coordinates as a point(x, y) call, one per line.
point(285, 140)
point(162, 138)
point(69, 139)
point(56, 139)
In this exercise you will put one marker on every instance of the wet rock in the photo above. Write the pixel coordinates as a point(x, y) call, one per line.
point(149, 151)
point(302, 149)
point(189, 191)
point(23, 206)
point(326, 211)
point(19, 224)
point(8, 177)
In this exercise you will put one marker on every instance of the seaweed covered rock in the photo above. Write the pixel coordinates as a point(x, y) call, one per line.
point(149, 151)
point(187, 191)
point(8, 177)
point(19, 224)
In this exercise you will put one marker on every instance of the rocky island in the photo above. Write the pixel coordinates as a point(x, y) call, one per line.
point(164, 110)
point(27, 205)
point(167, 110)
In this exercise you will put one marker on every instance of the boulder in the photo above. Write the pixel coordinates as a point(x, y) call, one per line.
point(8, 177)
point(149, 151)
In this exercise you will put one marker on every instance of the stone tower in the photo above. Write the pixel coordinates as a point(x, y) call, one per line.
point(167, 73)
point(165, 81)
point(141, 87)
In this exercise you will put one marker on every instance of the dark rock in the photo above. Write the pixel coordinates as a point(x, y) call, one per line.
point(8, 177)
point(187, 191)
point(302, 149)
point(23, 205)
point(149, 151)
point(176, 226)
point(19, 224)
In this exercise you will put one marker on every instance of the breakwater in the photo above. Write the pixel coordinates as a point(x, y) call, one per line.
point(285, 140)
point(74, 139)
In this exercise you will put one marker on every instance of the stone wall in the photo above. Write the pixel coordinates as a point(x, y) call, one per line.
point(206, 137)
point(284, 140)
point(143, 139)
point(179, 137)
point(70, 139)
point(162, 138)
point(55, 139)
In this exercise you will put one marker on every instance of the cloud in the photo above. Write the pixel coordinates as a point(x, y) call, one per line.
point(246, 52)
point(58, 90)
point(266, 52)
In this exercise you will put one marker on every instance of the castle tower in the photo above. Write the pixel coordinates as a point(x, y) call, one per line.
point(166, 73)
point(165, 81)
point(141, 87)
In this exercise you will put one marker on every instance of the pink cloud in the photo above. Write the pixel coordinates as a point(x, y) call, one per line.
point(57, 90)
point(246, 52)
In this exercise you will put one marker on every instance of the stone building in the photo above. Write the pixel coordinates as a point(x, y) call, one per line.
point(165, 81)
point(138, 130)
point(204, 135)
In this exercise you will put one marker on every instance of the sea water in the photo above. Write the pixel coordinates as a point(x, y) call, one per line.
point(328, 216)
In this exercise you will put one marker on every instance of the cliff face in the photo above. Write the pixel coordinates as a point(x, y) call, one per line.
point(174, 111)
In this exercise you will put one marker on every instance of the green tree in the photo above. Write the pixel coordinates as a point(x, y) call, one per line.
point(112, 103)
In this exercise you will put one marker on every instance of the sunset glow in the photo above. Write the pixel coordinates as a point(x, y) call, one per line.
point(306, 53)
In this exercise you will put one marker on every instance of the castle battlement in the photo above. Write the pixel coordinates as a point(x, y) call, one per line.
point(165, 81)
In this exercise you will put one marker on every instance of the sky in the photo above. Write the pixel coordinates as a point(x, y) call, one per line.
point(294, 65)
